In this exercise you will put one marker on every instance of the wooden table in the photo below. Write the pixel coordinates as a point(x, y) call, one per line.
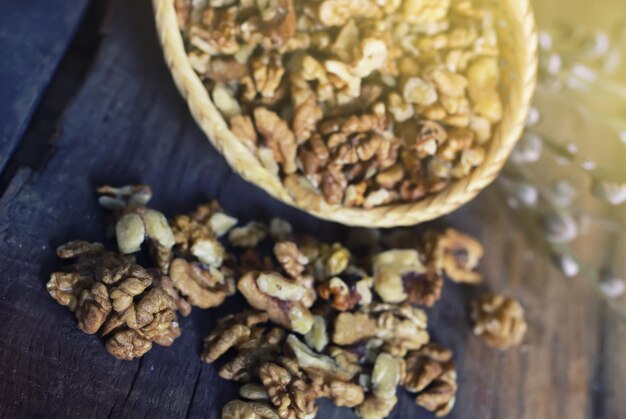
point(86, 99)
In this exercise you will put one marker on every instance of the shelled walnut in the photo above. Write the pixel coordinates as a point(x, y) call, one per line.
point(431, 373)
point(402, 328)
point(110, 294)
point(366, 102)
point(136, 223)
point(281, 298)
point(499, 321)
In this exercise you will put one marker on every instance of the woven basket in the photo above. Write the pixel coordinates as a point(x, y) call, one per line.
point(518, 44)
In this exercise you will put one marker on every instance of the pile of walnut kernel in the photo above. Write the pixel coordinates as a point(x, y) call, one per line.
point(366, 102)
point(325, 320)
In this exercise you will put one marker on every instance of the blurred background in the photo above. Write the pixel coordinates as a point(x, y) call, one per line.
point(566, 180)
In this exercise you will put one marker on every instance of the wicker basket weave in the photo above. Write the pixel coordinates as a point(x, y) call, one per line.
point(518, 44)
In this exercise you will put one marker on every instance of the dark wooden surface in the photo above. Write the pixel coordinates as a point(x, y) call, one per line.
point(125, 122)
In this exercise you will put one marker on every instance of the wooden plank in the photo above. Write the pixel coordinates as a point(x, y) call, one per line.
point(33, 38)
point(128, 124)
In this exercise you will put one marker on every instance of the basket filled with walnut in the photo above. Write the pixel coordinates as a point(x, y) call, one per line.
point(365, 112)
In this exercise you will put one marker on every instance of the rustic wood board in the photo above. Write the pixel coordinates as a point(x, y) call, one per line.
point(128, 124)
point(33, 39)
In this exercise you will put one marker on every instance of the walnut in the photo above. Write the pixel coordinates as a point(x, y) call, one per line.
point(387, 374)
point(419, 92)
point(337, 90)
point(230, 331)
point(279, 297)
point(342, 296)
point(278, 137)
point(483, 76)
point(249, 235)
point(136, 223)
point(307, 111)
point(402, 328)
point(93, 308)
point(333, 260)
point(238, 409)
point(342, 393)
point(316, 364)
point(136, 280)
point(355, 195)
point(390, 269)
point(225, 101)
point(119, 198)
point(280, 230)
point(128, 344)
point(423, 288)
point(292, 395)
point(338, 12)
point(290, 258)
point(317, 337)
point(267, 74)
point(431, 373)
point(134, 325)
point(458, 255)
point(376, 408)
point(243, 128)
point(202, 286)
point(499, 321)
point(262, 346)
point(196, 233)
point(65, 287)
point(278, 21)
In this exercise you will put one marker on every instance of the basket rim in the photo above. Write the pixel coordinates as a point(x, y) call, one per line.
point(247, 165)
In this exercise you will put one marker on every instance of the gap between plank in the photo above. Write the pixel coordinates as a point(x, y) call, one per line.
point(38, 143)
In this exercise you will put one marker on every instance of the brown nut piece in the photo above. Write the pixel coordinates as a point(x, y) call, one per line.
point(376, 408)
point(196, 233)
point(498, 321)
point(390, 268)
point(282, 299)
point(137, 223)
point(458, 255)
point(431, 373)
point(262, 346)
point(229, 332)
point(238, 409)
point(203, 286)
point(342, 296)
point(128, 344)
point(290, 258)
point(249, 235)
point(291, 395)
point(402, 328)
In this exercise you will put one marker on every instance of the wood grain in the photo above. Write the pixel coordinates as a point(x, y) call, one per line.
point(128, 124)
point(33, 39)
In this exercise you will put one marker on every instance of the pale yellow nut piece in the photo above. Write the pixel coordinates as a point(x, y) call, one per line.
point(388, 270)
point(278, 287)
point(130, 232)
point(419, 92)
point(386, 375)
point(222, 223)
point(158, 228)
